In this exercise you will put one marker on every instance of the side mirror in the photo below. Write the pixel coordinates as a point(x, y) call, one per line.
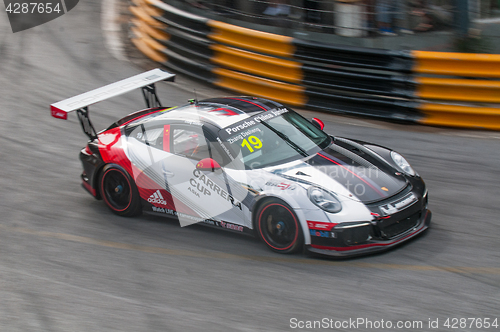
point(207, 164)
point(318, 123)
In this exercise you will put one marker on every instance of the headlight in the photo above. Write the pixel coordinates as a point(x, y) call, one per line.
point(324, 200)
point(402, 163)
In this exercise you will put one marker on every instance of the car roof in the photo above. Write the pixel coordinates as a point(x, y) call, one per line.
point(221, 112)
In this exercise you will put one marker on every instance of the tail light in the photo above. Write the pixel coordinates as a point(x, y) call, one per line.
point(87, 150)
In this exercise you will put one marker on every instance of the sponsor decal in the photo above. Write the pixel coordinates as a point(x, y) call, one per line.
point(231, 226)
point(224, 224)
point(224, 147)
point(241, 126)
point(162, 210)
point(191, 122)
point(191, 190)
point(157, 198)
point(253, 121)
point(281, 185)
point(269, 115)
point(199, 187)
point(206, 187)
point(174, 213)
point(318, 225)
point(58, 114)
point(398, 205)
point(317, 233)
point(243, 135)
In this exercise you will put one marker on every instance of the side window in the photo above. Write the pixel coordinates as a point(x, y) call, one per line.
point(191, 142)
point(188, 142)
point(156, 137)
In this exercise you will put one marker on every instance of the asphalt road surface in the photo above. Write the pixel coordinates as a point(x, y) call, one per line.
point(68, 264)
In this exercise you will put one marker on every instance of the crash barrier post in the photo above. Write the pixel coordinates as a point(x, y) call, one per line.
point(342, 79)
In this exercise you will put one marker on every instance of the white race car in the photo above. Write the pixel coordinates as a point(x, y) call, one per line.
point(249, 164)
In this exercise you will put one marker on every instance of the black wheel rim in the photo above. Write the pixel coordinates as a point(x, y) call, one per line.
point(278, 227)
point(117, 190)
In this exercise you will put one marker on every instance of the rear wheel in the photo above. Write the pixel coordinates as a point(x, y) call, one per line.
point(119, 191)
point(279, 228)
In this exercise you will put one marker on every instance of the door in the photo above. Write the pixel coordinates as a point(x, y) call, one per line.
point(211, 194)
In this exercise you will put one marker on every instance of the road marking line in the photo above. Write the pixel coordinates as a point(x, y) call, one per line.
point(220, 255)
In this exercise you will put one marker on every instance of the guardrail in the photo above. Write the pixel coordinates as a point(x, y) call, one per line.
point(408, 86)
point(465, 93)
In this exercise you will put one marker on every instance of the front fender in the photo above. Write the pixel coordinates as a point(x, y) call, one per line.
point(298, 200)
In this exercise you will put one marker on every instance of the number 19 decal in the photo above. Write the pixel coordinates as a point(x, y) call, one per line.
point(252, 143)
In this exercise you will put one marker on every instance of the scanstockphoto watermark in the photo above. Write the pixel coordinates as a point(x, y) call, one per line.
point(364, 324)
point(359, 324)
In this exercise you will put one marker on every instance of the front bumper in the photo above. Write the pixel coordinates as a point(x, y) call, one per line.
point(374, 245)
point(382, 233)
point(395, 220)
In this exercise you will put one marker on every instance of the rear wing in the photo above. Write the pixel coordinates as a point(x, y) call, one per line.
point(146, 81)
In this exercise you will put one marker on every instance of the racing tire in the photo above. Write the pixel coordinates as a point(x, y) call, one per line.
point(119, 191)
point(278, 227)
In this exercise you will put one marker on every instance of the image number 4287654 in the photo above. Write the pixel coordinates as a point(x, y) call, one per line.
point(26, 14)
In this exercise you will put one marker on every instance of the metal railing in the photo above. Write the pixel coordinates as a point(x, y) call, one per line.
point(352, 18)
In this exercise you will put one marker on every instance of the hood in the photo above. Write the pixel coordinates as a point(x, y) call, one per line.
point(346, 173)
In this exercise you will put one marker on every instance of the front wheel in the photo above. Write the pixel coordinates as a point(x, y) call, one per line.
point(279, 228)
point(119, 191)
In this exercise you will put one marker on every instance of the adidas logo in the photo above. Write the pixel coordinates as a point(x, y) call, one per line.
point(157, 198)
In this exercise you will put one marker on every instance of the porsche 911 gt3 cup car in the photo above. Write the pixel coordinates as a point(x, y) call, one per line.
point(249, 165)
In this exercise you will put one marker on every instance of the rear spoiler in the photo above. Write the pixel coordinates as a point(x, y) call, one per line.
point(146, 81)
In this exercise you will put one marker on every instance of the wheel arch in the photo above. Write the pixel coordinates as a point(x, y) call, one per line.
point(95, 180)
point(99, 173)
point(298, 213)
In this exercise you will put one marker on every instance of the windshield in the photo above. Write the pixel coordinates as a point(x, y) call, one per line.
point(273, 138)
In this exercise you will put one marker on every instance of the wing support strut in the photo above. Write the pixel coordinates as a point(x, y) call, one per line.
point(87, 126)
point(150, 96)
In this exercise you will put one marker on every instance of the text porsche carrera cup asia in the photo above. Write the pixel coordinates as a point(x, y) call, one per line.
point(248, 164)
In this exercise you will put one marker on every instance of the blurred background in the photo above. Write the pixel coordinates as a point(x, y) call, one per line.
point(454, 25)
